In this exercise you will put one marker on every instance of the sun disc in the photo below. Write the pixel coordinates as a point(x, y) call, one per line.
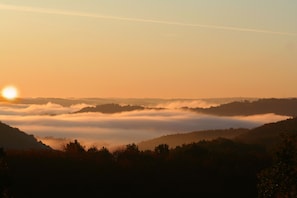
point(10, 93)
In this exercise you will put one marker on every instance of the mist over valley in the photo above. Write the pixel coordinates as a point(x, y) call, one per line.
point(102, 122)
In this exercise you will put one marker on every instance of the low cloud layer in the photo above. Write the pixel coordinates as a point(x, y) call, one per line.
point(38, 109)
point(187, 103)
point(55, 125)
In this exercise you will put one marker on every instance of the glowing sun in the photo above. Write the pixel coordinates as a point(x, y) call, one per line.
point(10, 92)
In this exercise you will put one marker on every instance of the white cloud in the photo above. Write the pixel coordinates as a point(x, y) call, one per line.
point(39, 109)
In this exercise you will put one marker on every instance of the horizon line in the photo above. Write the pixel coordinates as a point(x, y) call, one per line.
point(141, 20)
point(166, 98)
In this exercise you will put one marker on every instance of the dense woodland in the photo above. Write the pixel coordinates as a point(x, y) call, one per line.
point(217, 168)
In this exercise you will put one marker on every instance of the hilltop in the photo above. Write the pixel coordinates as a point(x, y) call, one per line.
point(267, 135)
point(174, 140)
point(110, 108)
point(113, 108)
point(285, 107)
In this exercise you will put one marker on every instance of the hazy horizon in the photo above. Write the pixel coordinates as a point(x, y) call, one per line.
point(52, 120)
point(149, 49)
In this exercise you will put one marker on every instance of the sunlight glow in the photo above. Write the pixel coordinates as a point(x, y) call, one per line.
point(10, 93)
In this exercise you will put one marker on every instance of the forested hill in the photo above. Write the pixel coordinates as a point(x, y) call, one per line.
point(13, 138)
point(174, 140)
point(270, 134)
point(110, 108)
point(267, 135)
point(286, 107)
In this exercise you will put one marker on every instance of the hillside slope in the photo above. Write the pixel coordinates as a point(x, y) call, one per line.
point(269, 134)
point(13, 138)
point(285, 107)
point(187, 138)
point(110, 108)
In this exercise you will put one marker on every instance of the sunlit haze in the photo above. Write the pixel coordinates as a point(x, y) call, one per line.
point(149, 49)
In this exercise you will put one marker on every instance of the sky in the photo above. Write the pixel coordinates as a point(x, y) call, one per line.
point(149, 49)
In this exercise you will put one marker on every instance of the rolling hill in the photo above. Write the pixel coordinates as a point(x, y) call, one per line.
point(114, 108)
point(110, 108)
point(285, 107)
point(267, 135)
point(187, 138)
point(13, 138)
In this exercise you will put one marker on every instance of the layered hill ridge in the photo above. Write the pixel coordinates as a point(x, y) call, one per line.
point(174, 140)
point(278, 106)
point(284, 107)
point(113, 108)
point(267, 135)
point(110, 108)
point(14, 139)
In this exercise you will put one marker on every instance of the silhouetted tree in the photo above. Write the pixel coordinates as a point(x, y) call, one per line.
point(162, 149)
point(103, 152)
point(74, 147)
point(280, 180)
point(93, 149)
point(132, 148)
point(4, 177)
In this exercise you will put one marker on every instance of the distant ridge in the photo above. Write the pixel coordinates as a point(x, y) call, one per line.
point(187, 138)
point(113, 108)
point(110, 108)
point(14, 139)
point(285, 107)
point(267, 135)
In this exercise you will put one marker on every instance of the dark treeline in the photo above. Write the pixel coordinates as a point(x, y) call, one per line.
point(110, 108)
point(279, 106)
point(218, 168)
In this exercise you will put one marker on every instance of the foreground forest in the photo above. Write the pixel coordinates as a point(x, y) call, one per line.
point(217, 168)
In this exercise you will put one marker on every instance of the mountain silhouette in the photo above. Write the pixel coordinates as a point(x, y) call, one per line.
point(174, 140)
point(110, 108)
point(13, 138)
point(285, 107)
point(267, 135)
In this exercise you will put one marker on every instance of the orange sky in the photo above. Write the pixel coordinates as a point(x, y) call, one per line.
point(168, 49)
